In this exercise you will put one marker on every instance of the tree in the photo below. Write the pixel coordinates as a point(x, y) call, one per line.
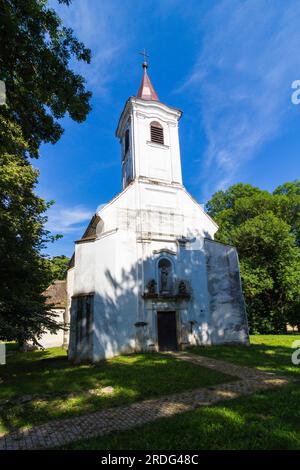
point(34, 64)
point(41, 88)
point(59, 266)
point(287, 199)
point(24, 272)
point(262, 227)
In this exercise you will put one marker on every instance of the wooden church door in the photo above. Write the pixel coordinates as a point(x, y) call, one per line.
point(167, 331)
point(84, 326)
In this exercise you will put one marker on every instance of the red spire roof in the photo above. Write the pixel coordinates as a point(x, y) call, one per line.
point(146, 90)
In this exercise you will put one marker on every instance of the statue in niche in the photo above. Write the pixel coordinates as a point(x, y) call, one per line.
point(151, 286)
point(182, 288)
point(165, 279)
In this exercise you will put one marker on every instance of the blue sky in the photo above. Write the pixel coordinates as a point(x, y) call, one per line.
point(228, 64)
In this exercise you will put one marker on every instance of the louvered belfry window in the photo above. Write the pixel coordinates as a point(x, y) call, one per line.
point(126, 141)
point(157, 133)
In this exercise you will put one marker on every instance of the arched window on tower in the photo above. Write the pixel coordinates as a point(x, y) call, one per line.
point(165, 280)
point(126, 145)
point(157, 133)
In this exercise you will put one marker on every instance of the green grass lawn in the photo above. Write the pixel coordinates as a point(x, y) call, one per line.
point(270, 353)
point(267, 420)
point(133, 378)
point(264, 420)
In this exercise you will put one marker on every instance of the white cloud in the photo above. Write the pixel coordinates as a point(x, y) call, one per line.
point(101, 26)
point(249, 58)
point(68, 219)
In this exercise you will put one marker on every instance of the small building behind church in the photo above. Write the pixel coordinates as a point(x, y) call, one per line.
point(56, 298)
point(147, 274)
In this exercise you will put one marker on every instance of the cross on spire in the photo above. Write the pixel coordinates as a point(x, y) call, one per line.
point(145, 55)
point(146, 90)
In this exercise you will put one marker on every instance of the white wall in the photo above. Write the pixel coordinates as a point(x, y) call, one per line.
point(148, 159)
point(142, 220)
point(153, 213)
point(228, 319)
point(115, 303)
point(49, 340)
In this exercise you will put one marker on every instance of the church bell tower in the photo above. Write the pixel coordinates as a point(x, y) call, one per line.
point(147, 274)
point(148, 134)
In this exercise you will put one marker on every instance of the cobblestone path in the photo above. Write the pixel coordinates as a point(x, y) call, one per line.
point(60, 432)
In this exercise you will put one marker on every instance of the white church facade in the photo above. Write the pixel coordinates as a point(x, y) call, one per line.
point(147, 274)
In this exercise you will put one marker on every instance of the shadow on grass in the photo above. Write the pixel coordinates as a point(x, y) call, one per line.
point(17, 359)
point(266, 420)
point(133, 378)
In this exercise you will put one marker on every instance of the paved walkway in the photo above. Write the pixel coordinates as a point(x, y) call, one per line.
point(61, 432)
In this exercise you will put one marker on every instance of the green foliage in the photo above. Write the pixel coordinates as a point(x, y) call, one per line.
point(40, 87)
point(265, 228)
point(59, 266)
point(24, 273)
point(35, 53)
point(287, 202)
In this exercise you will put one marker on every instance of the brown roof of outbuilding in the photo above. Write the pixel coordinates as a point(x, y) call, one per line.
point(56, 294)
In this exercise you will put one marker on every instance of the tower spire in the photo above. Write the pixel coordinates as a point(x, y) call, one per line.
point(146, 90)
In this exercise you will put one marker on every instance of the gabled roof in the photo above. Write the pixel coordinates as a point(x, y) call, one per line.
point(90, 233)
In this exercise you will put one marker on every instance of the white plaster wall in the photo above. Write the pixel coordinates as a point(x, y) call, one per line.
point(228, 319)
point(180, 214)
point(193, 271)
point(70, 291)
point(118, 265)
point(115, 302)
point(153, 213)
point(161, 162)
point(84, 279)
point(70, 283)
point(49, 340)
point(175, 152)
point(190, 266)
point(153, 160)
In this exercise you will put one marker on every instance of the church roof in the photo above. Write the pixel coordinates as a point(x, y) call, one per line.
point(146, 90)
point(90, 233)
point(56, 294)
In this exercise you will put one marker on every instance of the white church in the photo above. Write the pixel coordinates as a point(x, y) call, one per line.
point(147, 274)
